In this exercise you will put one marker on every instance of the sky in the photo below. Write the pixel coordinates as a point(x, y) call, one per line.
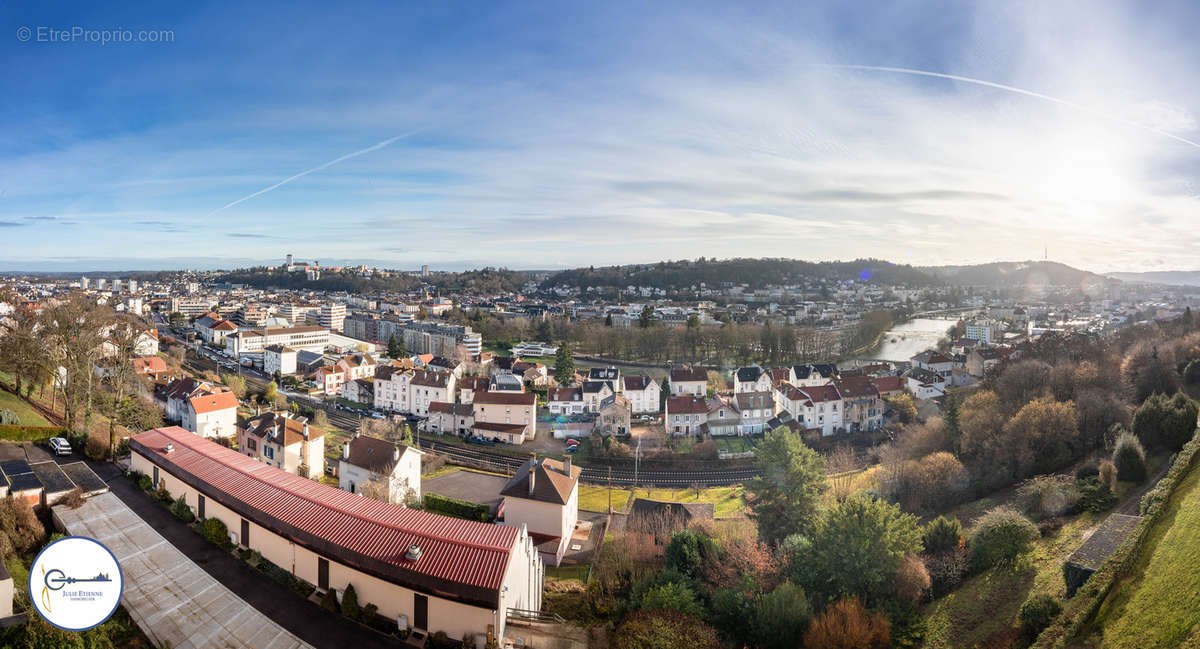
point(551, 135)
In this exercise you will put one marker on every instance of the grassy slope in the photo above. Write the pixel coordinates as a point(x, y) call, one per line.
point(1156, 606)
point(986, 605)
point(728, 501)
point(29, 416)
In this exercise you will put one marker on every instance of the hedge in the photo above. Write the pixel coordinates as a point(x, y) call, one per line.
point(1081, 609)
point(31, 433)
point(456, 508)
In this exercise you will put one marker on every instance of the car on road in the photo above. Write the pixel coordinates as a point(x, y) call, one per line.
point(60, 446)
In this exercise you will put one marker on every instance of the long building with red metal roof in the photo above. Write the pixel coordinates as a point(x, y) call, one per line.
point(442, 573)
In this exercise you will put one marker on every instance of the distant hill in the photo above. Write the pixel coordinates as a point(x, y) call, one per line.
point(755, 273)
point(1007, 274)
point(1168, 277)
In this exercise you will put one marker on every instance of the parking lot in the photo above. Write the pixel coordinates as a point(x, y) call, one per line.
point(468, 485)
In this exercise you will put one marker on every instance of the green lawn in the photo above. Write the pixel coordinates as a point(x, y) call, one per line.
point(29, 416)
point(565, 573)
point(1156, 605)
point(984, 608)
point(594, 498)
point(728, 502)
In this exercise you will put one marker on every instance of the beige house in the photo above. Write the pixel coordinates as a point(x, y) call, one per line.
point(510, 408)
point(691, 381)
point(372, 463)
point(615, 416)
point(439, 573)
point(211, 414)
point(543, 496)
point(643, 393)
point(285, 443)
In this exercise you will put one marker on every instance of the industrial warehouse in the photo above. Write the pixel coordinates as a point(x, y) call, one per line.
point(439, 573)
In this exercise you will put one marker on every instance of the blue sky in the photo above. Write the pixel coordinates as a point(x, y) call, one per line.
point(553, 135)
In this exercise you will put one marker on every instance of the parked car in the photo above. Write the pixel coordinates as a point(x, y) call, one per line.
point(572, 449)
point(60, 446)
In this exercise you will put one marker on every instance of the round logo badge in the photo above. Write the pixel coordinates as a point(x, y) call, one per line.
point(75, 583)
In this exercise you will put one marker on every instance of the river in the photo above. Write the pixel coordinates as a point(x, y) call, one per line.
point(906, 340)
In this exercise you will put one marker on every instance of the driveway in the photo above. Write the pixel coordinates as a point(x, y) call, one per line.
point(171, 598)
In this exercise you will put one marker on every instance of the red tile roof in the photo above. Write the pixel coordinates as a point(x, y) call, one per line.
point(686, 405)
point(460, 559)
point(206, 403)
point(506, 398)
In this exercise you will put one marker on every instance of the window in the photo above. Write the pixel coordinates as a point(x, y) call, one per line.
point(270, 452)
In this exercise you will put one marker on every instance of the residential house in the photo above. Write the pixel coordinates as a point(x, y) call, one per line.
point(813, 374)
point(756, 409)
point(723, 418)
point(888, 386)
point(510, 416)
point(686, 415)
point(285, 443)
point(643, 392)
point(329, 379)
point(611, 375)
point(862, 409)
point(360, 391)
point(688, 381)
point(565, 401)
point(211, 414)
point(593, 393)
point(450, 418)
point(934, 361)
point(279, 358)
point(814, 407)
point(470, 385)
point(926, 384)
point(151, 366)
point(392, 388)
point(981, 361)
point(376, 464)
point(751, 379)
point(614, 416)
point(429, 386)
point(543, 497)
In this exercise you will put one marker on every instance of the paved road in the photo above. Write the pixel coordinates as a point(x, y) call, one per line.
point(305, 619)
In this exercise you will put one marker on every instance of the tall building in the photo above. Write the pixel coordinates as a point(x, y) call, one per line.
point(440, 339)
point(101, 283)
point(116, 286)
point(425, 270)
point(83, 282)
point(332, 316)
point(133, 286)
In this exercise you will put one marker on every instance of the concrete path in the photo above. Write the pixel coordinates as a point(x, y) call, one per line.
point(173, 600)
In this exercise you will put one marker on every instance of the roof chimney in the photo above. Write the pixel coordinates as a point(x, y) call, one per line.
point(305, 430)
point(346, 451)
point(567, 466)
point(532, 472)
point(396, 453)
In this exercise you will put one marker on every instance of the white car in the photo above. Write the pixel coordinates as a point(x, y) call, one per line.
point(60, 446)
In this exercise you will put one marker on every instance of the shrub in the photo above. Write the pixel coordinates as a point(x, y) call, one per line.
point(672, 596)
point(946, 570)
point(1050, 526)
point(329, 601)
point(999, 537)
point(1048, 496)
point(456, 508)
point(780, 617)
point(912, 581)
point(369, 612)
point(182, 511)
point(163, 496)
point(440, 640)
point(665, 629)
point(847, 625)
point(74, 498)
point(1037, 613)
point(20, 525)
point(1095, 496)
point(1129, 458)
point(144, 482)
point(942, 534)
point(9, 418)
point(1108, 475)
point(1086, 469)
point(688, 551)
point(350, 606)
point(215, 532)
point(1165, 422)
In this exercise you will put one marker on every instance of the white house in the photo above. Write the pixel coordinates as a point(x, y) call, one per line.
point(686, 416)
point(814, 407)
point(380, 462)
point(565, 401)
point(643, 392)
point(211, 414)
point(751, 379)
point(688, 381)
point(428, 387)
point(279, 358)
point(543, 496)
point(594, 392)
point(392, 388)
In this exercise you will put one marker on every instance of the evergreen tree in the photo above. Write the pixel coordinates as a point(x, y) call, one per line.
point(564, 364)
point(646, 319)
point(395, 347)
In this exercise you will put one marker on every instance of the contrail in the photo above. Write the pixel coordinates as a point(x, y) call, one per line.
point(373, 147)
point(1019, 91)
